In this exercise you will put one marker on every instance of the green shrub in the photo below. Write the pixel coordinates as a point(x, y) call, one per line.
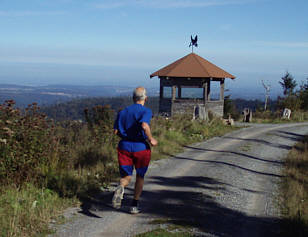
point(230, 109)
point(292, 102)
point(27, 140)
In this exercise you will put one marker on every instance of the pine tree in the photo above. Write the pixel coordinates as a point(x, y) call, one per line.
point(288, 84)
point(303, 95)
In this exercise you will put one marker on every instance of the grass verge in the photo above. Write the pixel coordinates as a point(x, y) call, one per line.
point(276, 118)
point(173, 134)
point(28, 211)
point(295, 191)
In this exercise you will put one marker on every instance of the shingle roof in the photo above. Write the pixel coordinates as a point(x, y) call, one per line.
point(192, 65)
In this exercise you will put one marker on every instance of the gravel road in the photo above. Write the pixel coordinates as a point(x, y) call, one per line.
point(226, 186)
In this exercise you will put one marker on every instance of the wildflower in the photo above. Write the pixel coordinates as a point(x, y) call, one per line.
point(8, 131)
point(10, 102)
point(8, 122)
point(34, 204)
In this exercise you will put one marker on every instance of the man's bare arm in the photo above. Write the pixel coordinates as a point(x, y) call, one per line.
point(147, 131)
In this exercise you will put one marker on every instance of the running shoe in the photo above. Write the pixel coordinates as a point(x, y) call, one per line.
point(134, 210)
point(117, 197)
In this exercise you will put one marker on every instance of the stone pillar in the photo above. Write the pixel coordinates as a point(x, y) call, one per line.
point(173, 92)
point(222, 89)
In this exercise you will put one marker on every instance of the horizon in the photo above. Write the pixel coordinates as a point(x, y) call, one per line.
point(95, 90)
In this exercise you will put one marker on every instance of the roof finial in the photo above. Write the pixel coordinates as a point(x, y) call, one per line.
point(193, 42)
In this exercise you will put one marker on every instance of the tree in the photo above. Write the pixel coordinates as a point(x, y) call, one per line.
point(267, 91)
point(305, 86)
point(230, 108)
point(303, 95)
point(288, 84)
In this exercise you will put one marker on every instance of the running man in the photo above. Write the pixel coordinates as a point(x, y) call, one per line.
point(133, 126)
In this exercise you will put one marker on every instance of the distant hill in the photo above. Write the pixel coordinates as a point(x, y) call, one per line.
point(46, 95)
point(74, 109)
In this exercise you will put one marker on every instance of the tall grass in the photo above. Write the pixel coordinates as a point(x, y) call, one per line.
point(28, 210)
point(295, 191)
point(173, 133)
point(51, 165)
point(276, 117)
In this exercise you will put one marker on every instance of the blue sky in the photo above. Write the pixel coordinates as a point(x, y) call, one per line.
point(121, 42)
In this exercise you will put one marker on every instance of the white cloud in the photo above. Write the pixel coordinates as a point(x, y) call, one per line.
point(168, 3)
point(283, 44)
point(89, 57)
point(111, 5)
point(30, 13)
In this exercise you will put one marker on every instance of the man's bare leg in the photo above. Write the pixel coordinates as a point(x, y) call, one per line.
point(138, 187)
point(125, 181)
point(119, 192)
point(138, 190)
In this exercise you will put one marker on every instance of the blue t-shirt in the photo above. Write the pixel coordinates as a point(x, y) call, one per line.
point(128, 124)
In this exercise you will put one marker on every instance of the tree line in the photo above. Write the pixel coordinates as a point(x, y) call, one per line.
point(75, 109)
point(296, 100)
point(293, 99)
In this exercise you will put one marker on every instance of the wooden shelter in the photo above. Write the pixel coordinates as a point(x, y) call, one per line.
point(191, 71)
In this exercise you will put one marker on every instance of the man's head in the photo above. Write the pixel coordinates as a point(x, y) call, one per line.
point(139, 94)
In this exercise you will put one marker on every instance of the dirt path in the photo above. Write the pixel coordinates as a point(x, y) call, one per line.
point(222, 187)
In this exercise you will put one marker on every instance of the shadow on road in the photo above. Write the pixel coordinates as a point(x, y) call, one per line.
point(260, 141)
point(193, 209)
point(187, 181)
point(199, 210)
point(86, 206)
point(228, 164)
point(235, 153)
point(291, 135)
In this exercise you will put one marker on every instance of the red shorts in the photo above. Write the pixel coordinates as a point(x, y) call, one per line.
point(128, 160)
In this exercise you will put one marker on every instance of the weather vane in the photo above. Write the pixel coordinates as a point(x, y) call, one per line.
point(193, 42)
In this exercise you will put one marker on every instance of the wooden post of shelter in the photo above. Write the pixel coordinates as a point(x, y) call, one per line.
point(179, 91)
point(222, 89)
point(205, 91)
point(208, 89)
point(161, 90)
